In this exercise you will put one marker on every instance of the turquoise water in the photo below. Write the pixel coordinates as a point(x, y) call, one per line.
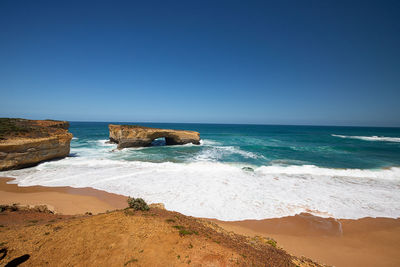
point(342, 172)
point(260, 145)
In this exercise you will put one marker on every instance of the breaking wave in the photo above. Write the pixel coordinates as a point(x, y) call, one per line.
point(226, 191)
point(370, 138)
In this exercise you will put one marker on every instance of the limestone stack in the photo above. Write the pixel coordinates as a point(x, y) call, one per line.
point(25, 143)
point(140, 136)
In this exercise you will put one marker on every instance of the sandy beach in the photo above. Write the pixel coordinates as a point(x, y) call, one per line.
point(63, 200)
point(363, 242)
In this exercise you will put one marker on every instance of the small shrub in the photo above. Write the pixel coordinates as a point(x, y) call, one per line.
point(184, 232)
point(170, 220)
point(138, 204)
point(131, 261)
point(272, 242)
point(129, 212)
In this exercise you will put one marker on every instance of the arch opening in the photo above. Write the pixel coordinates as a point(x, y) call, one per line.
point(161, 141)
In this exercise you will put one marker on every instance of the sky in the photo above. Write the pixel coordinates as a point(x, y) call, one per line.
point(257, 62)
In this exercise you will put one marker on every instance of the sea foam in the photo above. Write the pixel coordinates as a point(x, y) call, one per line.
point(214, 153)
point(370, 138)
point(226, 191)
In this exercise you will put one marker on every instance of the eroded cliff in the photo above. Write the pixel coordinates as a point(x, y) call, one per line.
point(25, 143)
point(139, 136)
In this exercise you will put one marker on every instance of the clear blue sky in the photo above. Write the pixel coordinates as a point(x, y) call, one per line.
point(268, 62)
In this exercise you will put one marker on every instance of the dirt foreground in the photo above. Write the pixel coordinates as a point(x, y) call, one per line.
point(130, 238)
point(364, 242)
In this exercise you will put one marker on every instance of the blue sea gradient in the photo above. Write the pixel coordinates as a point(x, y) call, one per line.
point(259, 145)
point(239, 171)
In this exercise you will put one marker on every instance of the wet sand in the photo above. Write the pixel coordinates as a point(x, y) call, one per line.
point(363, 242)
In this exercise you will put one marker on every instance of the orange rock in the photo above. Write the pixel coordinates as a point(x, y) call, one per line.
point(25, 143)
point(139, 136)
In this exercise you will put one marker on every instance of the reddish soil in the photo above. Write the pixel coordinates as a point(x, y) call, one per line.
point(131, 238)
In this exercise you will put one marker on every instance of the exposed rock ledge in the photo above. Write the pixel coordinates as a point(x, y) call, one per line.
point(139, 136)
point(25, 143)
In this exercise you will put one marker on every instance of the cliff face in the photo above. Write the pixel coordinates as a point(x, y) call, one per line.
point(139, 136)
point(25, 143)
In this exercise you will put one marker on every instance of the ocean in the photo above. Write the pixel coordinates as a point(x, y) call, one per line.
point(239, 171)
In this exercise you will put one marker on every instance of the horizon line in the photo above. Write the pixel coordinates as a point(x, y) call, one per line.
point(255, 124)
point(223, 123)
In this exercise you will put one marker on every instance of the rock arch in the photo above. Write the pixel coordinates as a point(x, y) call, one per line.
point(140, 136)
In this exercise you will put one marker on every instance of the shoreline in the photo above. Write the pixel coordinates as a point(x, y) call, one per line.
point(339, 242)
point(65, 200)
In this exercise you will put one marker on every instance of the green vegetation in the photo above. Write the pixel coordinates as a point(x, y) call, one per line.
point(272, 242)
point(130, 261)
point(138, 204)
point(12, 126)
point(170, 220)
point(265, 240)
point(183, 231)
point(179, 227)
point(129, 212)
